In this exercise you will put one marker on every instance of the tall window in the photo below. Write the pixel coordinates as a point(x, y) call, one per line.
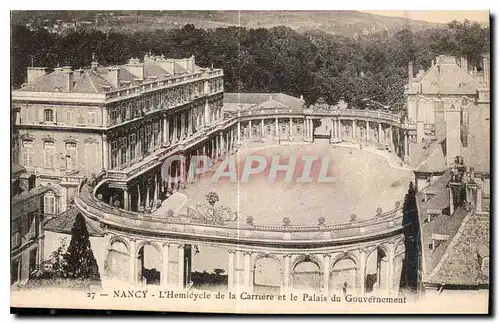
point(148, 137)
point(71, 156)
point(49, 204)
point(48, 154)
point(156, 132)
point(28, 152)
point(123, 150)
point(114, 154)
point(131, 149)
point(48, 115)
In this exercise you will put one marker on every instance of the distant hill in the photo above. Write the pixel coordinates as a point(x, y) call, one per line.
point(345, 23)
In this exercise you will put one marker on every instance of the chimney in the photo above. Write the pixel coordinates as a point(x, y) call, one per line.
point(190, 63)
point(183, 62)
point(68, 77)
point(301, 97)
point(114, 76)
point(486, 70)
point(136, 68)
point(35, 73)
point(410, 74)
point(167, 64)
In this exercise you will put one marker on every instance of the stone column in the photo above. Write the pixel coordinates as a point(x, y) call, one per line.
point(286, 279)
point(250, 129)
point(339, 129)
point(126, 203)
point(206, 120)
point(230, 271)
point(361, 271)
point(155, 195)
point(390, 268)
point(248, 285)
point(180, 267)
point(304, 130)
point(353, 129)
point(290, 128)
point(147, 195)
point(138, 195)
point(174, 134)
point(380, 133)
point(105, 156)
point(165, 263)
point(479, 199)
point(239, 132)
point(190, 122)
point(213, 149)
point(262, 128)
point(183, 126)
point(367, 130)
point(391, 142)
point(166, 131)
point(277, 130)
point(132, 261)
point(222, 144)
point(326, 274)
point(406, 144)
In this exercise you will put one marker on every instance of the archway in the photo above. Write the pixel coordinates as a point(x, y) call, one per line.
point(116, 263)
point(307, 275)
point(376, 270)
point(343, 275)
point(149, 264)
point(268, 275)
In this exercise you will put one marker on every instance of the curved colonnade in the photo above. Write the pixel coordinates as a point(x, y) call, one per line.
point(361, 256)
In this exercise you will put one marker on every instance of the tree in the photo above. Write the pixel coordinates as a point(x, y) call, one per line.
point(79, 261)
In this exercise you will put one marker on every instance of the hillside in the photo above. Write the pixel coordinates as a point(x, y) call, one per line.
point(345, 23)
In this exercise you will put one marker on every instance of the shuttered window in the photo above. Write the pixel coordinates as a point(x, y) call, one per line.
point(48, 154)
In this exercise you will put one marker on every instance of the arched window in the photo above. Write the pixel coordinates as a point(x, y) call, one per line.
point(48, 115)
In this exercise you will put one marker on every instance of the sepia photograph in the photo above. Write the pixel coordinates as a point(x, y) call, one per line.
point(250, 162)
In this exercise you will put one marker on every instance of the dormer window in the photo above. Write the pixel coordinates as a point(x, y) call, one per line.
point(48, 115)
point(462, 85)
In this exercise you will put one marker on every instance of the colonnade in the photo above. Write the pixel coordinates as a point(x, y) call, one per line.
point(175, 270)
point(150, 187)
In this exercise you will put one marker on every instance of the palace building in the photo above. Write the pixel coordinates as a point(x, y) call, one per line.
point(74, 123)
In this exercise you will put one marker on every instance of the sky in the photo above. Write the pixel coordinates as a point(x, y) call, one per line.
point(441, 16)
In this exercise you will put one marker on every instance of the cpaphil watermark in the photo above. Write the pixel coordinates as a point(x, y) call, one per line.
point(303, 169)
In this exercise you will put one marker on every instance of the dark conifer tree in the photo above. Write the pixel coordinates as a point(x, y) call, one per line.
point(80, 262)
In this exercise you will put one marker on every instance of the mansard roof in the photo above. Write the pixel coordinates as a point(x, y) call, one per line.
point(98, 80)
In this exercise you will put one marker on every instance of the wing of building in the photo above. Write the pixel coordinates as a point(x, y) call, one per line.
point(449, 111)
